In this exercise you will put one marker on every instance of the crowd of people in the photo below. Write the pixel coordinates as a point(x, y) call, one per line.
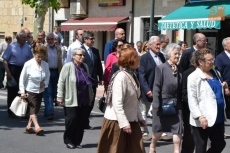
point(183, 87)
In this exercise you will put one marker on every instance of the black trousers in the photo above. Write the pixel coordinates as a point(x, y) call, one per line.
point(90, 108)
point(2, 74)
point(12, 92)
point(75, 119)
point(214, 133)
point(188, 142)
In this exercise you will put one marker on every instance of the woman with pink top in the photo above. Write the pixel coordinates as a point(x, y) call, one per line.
point(111, 59)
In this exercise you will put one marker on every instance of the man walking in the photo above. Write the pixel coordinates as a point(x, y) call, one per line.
point(146, 71)
point(14, 57)
point(93, 61)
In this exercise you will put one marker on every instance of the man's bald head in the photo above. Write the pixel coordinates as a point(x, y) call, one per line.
point(120, 33)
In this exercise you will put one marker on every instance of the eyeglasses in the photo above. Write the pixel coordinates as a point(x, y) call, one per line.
point(165, 42)
point(92, 38)
point(203, 41)
point(209, 60)
point(80, 55)
point(122, 33)
point(50, 38)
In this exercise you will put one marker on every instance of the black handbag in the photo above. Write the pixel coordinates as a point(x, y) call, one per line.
point(167, 109)
point(101, 105)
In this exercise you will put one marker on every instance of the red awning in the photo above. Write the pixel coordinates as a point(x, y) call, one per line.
point(93, 24)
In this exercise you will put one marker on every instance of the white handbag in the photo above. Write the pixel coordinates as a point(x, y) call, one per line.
point(19, 106)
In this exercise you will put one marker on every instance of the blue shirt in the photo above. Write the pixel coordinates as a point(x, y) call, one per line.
point(217, 89)
point(16, 54)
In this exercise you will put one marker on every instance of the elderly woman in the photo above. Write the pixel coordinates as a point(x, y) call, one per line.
point(120, 131)
point(76, 95)
point(167, 94)
point(33, 80)
point(206, 104)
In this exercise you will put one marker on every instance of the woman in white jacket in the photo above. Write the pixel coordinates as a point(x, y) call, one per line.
point(206, 104)
point(120, 132)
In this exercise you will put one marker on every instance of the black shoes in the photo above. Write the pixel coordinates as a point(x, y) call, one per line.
point(89, 127)
point(79, 146)
point(70, 146)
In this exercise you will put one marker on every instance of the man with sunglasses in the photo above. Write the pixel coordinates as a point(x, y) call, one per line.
point(93, 61)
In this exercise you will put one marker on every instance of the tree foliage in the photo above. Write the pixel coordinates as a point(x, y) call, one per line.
point(39, 3)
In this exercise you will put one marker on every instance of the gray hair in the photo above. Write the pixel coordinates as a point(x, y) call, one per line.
point(192, 60)
point(170, 48)
point(152, 39)
point(75, 50)
point(50, 34)
point(86, 35)
point(224, 42)
point(21, 33)
point(162, 37)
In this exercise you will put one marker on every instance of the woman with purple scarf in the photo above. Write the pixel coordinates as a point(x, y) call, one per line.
point(75, 94)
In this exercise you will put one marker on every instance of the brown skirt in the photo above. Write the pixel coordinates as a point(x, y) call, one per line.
point(115, 140)
point(34, 102)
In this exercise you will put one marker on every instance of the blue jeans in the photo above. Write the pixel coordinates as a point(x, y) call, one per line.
point(50, 93)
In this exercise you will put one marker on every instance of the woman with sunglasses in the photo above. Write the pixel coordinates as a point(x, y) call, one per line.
point(76, 95)
point(111, 59)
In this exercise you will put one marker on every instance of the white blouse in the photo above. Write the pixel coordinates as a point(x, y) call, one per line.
point(32, 75)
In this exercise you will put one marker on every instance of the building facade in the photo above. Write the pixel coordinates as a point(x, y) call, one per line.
point(136, 24)
point(14, 16)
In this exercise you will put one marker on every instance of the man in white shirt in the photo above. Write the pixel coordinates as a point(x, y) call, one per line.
point(3, 46)
point(164, 42)
point(76, 44)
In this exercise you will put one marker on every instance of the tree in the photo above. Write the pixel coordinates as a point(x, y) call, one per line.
point(41, 8)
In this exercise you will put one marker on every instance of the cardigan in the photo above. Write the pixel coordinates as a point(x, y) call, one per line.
point(124, 107)
point(31, 77)
point(201, 99)
point(67, 88)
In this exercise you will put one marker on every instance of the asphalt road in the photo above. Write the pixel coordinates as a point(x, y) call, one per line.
point(13, 138)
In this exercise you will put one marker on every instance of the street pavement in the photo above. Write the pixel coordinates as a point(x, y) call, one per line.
point(13, 138)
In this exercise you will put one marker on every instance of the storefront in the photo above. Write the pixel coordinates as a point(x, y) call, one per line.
point(208, 17)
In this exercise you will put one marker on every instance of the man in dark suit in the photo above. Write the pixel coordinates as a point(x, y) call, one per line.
point(93, 61)
point(146, 70)
point(222, 64)
point(119, 33)
point(199, 41)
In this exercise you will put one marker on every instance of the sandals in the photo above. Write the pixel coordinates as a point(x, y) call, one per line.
point(30, 130)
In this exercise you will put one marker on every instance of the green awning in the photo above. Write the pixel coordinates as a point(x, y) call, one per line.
point(200, 15)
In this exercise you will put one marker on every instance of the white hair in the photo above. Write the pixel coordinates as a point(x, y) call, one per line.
point(152, 39)
point(169, 48)
point(75, 50)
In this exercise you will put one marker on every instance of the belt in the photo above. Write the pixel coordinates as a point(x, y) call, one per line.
point(52, 69)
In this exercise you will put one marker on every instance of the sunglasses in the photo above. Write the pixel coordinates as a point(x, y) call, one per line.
point(80, 55)
point(92, 38)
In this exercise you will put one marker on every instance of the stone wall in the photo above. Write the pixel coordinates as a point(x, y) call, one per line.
point(11, 11)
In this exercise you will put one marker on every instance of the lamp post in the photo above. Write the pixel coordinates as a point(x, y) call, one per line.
point(151, 29)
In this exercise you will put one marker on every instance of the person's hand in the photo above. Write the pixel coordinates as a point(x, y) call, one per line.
point(203, 122)
point(8, 75)
point(60, 101)
point(23, 95)
point(225, 85)
point(142, 123)
point(149, 94)
point(42, 85)
point(127, 129)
